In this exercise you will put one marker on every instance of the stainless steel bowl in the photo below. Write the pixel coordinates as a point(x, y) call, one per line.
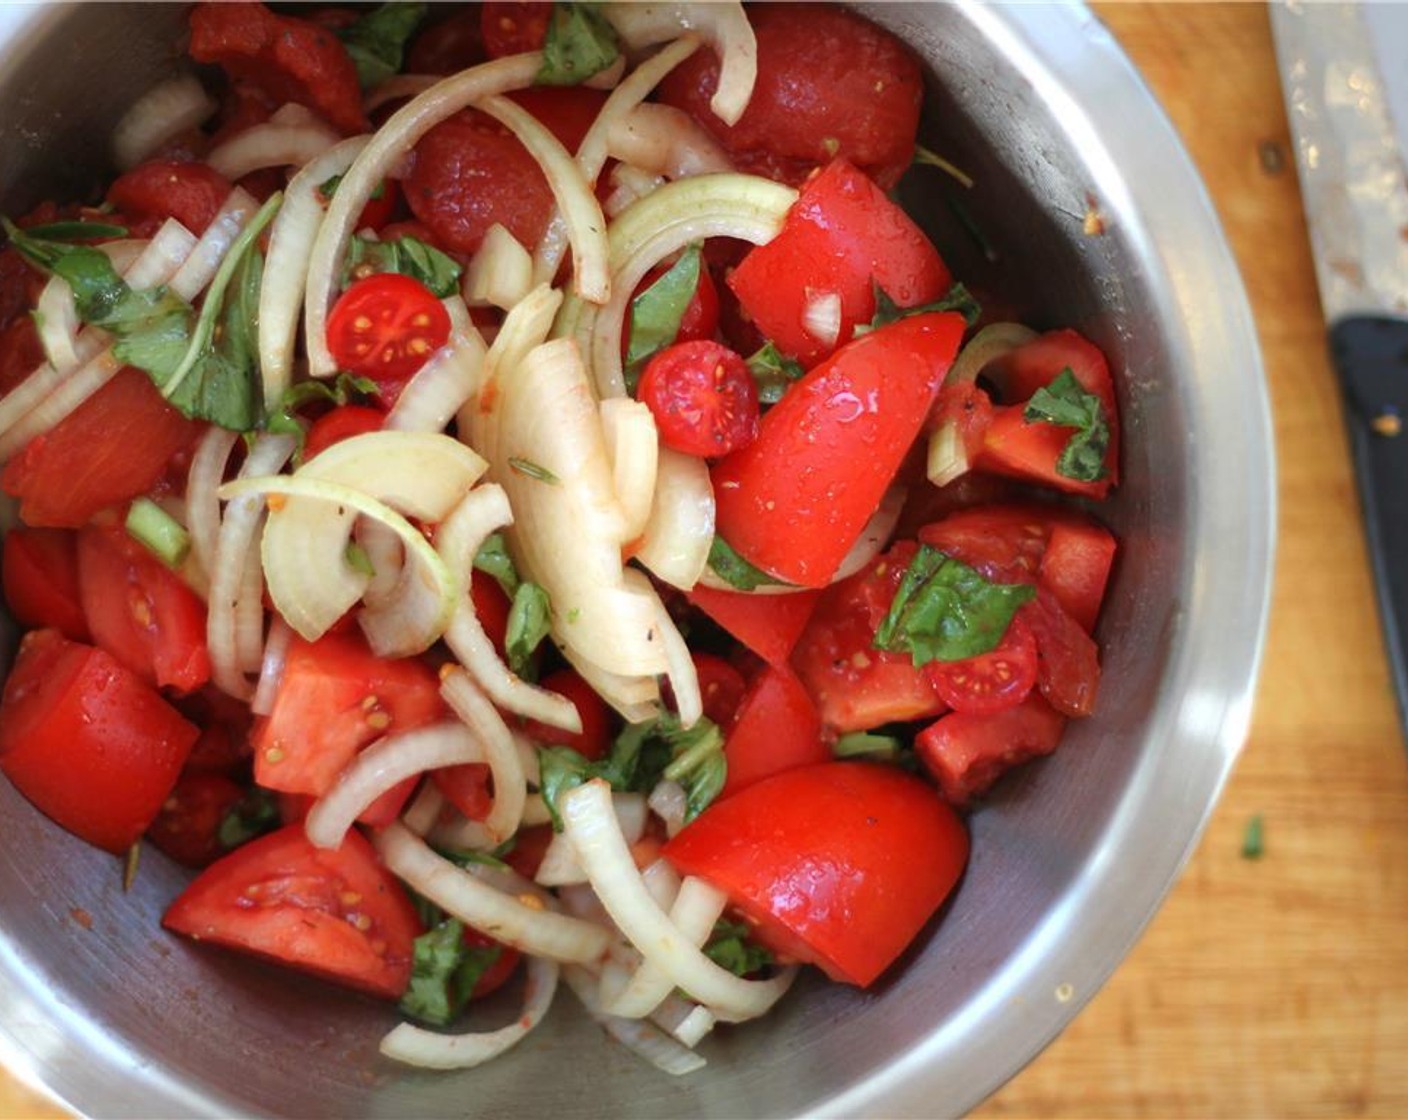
point(1071, 856)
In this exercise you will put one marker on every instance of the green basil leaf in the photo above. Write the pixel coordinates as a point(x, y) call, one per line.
point(865, 744)
point(656, 313)
point(580, 42)
point(1066, 404)
point(887, 311)
point(77, 231)
point(284, 419)
point(436, 955)
point(377, 41)
point(736, 571)
point(730, 946)
point(256, 814)
point(407, 255)
point(493, 559)
point(774, 372)
point(560, 769)
point(529, 620)
point(946, 611)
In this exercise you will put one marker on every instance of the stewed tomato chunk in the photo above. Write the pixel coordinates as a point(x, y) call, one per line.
point(192, 193)
point(838, 864)
point(965, 753)
point(91, 744)
point(769, 625)
point(334, 913)
point(989, 682)
point(385, 327)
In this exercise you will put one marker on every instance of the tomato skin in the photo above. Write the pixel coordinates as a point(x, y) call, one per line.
point(969, 409)
point(337, 914)
point(822, 860)
point(335, 698)
point(492, 607)
point(466, 787)
point(40, 572)
point(721, 688)
point(140, 611)
point(188, 827)
point(966, 753)
point(192, 193)
point(112, 448)
point(341, 423)
point(795, 500)
point(829, 83)
point(453, 44)
point(94, 747)
point(224, 722)
point(777, 729)
point(497, 974)
point(842, 235)
point(989, 682)
point(598, 726)
point(769, 625)
point(384, 327)
point(1068, 661)
point(287, 58)
point(704, 400)
point(529, 846)
point(857, 687)
point(514, 28)
point(1076, 567)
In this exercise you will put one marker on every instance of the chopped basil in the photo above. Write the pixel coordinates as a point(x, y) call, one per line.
point(533, 470)
point(357, 559)
point(493, 559)
point(657, 312)
point(946, 611)
point(865, 744)
point(773, 371)
point(736, 571)
point(160, 533)
point(444, 971)
point(328, 187)
point(284, 419)
point(730, 946)
point(1253, 839)
point(887, 311)
point(407, 255)
point(251, 817)
point(1065, 403)
point(377, 41)
point(529, 620)
point(580, 42)
point(76, 231)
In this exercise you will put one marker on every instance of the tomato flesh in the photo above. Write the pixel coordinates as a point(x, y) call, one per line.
point(967, 753)
point(513, 28)
point(1076, 567)
point(385, 327)
point(769, 625)
point(341, 423)
point(777, 728)
point(839, 864)
point(594, 740)
point(704, 400)
point(989, 682)
point(188, 827)
point(1068, 661)
point(721, 688)
point(192, 193)
point(40, 572)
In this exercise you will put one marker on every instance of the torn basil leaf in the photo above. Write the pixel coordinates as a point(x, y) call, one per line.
point(774, 372)
point(284, 419)
point(529, 620)
point(657, 312)
point(730, 946)
point(493, 559)
point(887, 311)
point(444, 972)
point(377, 41)
point(251, 817)
point(580, 42)
point(76, 231)
point(736, 571)
point(407, 255)
point(1065, 403)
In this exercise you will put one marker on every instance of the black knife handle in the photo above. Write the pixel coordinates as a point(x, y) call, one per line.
point(1371, 354)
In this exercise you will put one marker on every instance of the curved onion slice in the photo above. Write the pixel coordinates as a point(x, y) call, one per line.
point(529, 928)
point(271, 670)
point(425, 810)
point(661, 1051)
point(396, 88)
point(730, 205)
point(679, 665)
point(200, 267)
point(669, 802)
point(500, 752)
point(680, 530)
point(386, 763)
point(876, 533)
point(286, 268)
point(637, 699)
point(604, 854)
point(161, 114)
point(271, 145)
point(723, 25)
point(380, 157)
point(501, 273)
point(581, 213)
point(458, 539)
point(628, 186)
point(58, 323)
point(440, 388)
point(430, 1050)
point(560, 868)
point(202, 480)
point(633, 449)
point(666, 141)
point(696, 908)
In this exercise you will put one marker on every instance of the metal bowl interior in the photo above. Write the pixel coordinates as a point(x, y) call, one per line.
point(1071, 855)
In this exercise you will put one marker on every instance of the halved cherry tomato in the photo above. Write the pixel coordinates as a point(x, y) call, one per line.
point(594, 740)
point(110, 449)
point(20, 350)
point(701, 314)
point(989, 682)
point(338, 914)
point(842, 237)
point(513, 28)
point(341, 423)
point(966, 753)
point(385, 327)
point(704, 400)
point(839, 864)
point(529, 846)
point(140, 611)
point(777, 728)
point(795, 500)
point(192, 193)
point(188, 827)
point(92, 745)
point(769, 625)
point(721, 688)
point(1068, 661)
point(40, 571)
point(857, 687)
point(380, 207)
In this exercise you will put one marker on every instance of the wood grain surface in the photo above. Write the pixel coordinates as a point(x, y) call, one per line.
point(1274, 987)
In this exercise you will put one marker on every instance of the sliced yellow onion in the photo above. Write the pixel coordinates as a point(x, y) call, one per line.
point(604, 854)
point(560, 868)
point(691, 1029)
point(501, 273)
point(424, 810)
point(381, 156)
point(666, 141)
point(58, 323)
point(160, 259)
point(291, 240)
point(696, 908)
point(483, 721)
point(271, 145)
point(679, 664)
point(441, 387)
point(636, 699)
point(199, 268)
point(628, 186)
point(641, 1038)
point(271, 670)
point(680, 530)
point(249, 616)
point(161, 114)
point(531, 928)
point(722, 24)
point(207, 472)
point(875, 535)
point(417, 1046)
point(821, 316)
point(633, 449)
point(670, 803)
point(396, 88)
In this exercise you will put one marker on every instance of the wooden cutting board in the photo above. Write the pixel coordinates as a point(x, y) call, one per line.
point(1276, 986)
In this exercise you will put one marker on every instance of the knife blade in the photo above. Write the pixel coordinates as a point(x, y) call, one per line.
point(1355, 189)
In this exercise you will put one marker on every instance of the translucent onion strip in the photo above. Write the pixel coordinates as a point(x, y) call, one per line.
point(58, 323)
point(560, 868)
point(500, 273)
point(483, 721)
point(380, 157)
point(604, 854)
point(696, 908)
point(417, 1046)
point(636, 699)
point(874, 536)
point(291, 240)
point(207, 472)
point(679, 665)
point(633, 449)
point(425, 810)
point(440, 387)
point(666, 141)
point(199, 268)
point(158, 116)
point(271, 145)
point(271, 670)
point(661, 1051)
point(530, 928)
point(680, 530)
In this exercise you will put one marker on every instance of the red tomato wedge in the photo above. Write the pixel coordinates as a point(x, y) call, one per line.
point(192, 193)
point(704, 400)
point(140, 611)
point(110, 449)
point(795, 500)
point(966, 753)
point(721, 688)
point(1068, 661)
point(335, 698)
point(497, 974)
point(448, 45)
point(598, 724)
point(336, 914)
point(40, 571)
point(769, 625)
point(88, 742)
point(1076, 567)
point(385, 327)
point(188, 827)
point(777, 729)
point(841, 237)
point(839, 864)
point(856, 686)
